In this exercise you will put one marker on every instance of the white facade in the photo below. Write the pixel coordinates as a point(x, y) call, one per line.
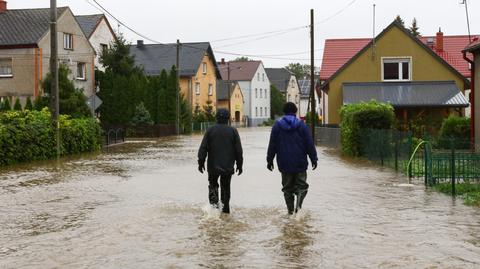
point(292, 93)
point(101, 38)
point(305, 105)
point(256, 94)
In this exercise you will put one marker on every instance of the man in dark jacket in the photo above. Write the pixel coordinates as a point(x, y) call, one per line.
point(221, 143)
point(291, 142)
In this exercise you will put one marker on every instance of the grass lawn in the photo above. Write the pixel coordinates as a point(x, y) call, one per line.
point(470, 192)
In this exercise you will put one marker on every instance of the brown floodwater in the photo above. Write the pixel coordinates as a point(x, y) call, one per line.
point(144, 205)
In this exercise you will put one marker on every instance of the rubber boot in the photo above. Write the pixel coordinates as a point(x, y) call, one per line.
point(300, 197)
point(290, 201)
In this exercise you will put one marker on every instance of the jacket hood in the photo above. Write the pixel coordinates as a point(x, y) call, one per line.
point(289, 122)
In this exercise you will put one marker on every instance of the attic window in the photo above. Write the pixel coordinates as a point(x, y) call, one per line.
point(396, 69)
point(204, 68)
point(67, 41)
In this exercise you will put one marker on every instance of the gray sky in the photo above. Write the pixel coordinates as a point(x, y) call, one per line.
point(210, 20)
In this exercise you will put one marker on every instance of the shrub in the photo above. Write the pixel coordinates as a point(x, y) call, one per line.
point(359, 117)
point(142, 117)
point(28, 104)
point(455, 131)
point(17, 106)
point(6, 105)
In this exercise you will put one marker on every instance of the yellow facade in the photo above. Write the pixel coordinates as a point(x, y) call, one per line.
point(236, 104)
point(365, 68)
point(201, 88)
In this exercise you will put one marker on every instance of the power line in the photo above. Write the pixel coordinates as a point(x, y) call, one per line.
point(337, 13)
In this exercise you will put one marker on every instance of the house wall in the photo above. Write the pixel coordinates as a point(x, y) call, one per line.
point(304, 105)
point(293, 93)
point(187, 85)
point(477, 100)
point(394, 43)
point(245, 87)
point(82, 52)
point(101, 35)
point(236, 103)
point(260, 103)
point(25, 66)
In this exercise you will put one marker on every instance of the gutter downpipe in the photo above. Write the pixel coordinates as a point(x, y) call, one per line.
point(472, 98)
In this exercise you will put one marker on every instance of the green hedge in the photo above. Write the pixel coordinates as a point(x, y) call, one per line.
point(359, 117)
point(455, 132)
point(29, 135)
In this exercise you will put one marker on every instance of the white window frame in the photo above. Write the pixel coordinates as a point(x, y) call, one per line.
point(210, 89)
point(400, 61)
point(204, 68)
point(83, 69)
point(197, 88)
point(67, 41)
point(6, 67)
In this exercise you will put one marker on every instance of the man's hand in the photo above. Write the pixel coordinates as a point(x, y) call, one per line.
point(270, 166)
point(201, 167)
point(239, 170)
point(314, 165)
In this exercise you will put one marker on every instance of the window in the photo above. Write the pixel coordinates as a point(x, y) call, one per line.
point(67, 41)
point(197, 88)
point(256, 92)
point(6, 67)
point(266, 93)
point(263, 77)
point(104, 48)
point(204, 68)
point(256, 111)
point(261, 93)
point(266, 114)
point(261, 111)
point(258, 76)
point(210, 89)
point(396, 69)
point(81, 71)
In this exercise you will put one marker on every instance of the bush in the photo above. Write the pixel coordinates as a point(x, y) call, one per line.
point(455, 131)
point(359, 117)
point(29, 135)
point(17, 106)
point(28, 104)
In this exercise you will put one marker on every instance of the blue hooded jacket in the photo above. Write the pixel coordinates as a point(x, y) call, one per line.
point(291, 142)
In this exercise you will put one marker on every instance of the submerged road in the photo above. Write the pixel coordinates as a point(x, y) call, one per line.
point(142, 205)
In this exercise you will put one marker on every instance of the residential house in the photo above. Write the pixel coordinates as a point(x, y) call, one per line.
point(304, 85)
point(99, 32)
point(474, 49)
point(25, 51)
point(230, 96)
point(255, 86)
point(198, 68)
point(421, 77)
point(286, 82)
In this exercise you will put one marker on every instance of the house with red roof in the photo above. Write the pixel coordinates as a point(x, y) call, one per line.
point(424, 78)
point(474, 61)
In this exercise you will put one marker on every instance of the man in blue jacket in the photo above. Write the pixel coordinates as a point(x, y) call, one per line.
point(291, 142)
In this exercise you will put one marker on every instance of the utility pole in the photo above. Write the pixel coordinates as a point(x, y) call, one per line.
point(312, 75)
point(177, 118)
point(55, 107)
point(465, 2)
point(229, 92)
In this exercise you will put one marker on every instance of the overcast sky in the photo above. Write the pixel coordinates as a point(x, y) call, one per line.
point(210, 20)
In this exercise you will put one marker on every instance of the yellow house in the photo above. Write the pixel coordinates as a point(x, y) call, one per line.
point(197, 65)
point(230, 97)
point(397, 68)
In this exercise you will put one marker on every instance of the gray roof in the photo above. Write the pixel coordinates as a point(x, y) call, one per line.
point(223, 87)
point(279, 77)
point(24, 26)
point(153, 58)
point(89, 23)
point(406, 94)
point(304, 85)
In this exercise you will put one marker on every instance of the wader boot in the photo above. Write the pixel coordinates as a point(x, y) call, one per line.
point(225, 191)
point(294, 184)
point(300, 197)
point(290, 201)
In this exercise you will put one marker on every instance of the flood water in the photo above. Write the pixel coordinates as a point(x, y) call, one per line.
point(142, 205)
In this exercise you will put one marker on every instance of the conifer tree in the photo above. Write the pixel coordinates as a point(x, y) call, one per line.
point(400, 20)
point(414, 28)
point(28, 104)
point(6, 105)
point(17, 106)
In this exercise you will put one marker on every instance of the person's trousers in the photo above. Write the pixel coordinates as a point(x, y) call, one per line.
point(224, 190)
point(294, 184)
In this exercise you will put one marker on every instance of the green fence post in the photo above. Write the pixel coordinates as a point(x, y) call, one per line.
point(453, 168)
point(425, 157)
point(396, 155)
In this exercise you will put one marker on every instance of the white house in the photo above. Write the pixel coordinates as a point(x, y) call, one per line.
point(99, 32)
point(286, 82)
point(305, 99)
point(255, 86)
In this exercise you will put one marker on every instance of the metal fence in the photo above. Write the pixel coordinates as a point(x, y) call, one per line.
point(328, 136)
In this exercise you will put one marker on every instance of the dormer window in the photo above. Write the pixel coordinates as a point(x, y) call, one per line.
point(397, 69)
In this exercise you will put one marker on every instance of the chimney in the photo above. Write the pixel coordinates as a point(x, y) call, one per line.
point(223, 61)
point(140, 44)
point(439, 46)
point(3, 6)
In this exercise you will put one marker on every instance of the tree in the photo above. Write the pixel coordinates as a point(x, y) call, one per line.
point(242, 59)
point(117, 58)
point(17, 106)
point(28, 104)
point(6, 105)
point(72, 100)
point(400, 20)
point(142, 116)
point(209, 112)
point(40, 103)
point(300, 71)
point(414, 28)
point(277, 101)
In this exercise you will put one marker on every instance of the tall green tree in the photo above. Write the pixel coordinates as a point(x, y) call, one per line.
point(28, 104)
point(277, 101)
point(17, 106)
point(300, 71)
point(414, 28)
point(6, 104)
point(117, 58)
point(72, 100)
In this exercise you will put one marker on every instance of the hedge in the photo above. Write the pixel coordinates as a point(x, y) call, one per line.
point(29, 135)
point(455, 131)
point(359, 117)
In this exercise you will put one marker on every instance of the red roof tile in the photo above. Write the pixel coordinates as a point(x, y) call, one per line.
point(338, 51)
